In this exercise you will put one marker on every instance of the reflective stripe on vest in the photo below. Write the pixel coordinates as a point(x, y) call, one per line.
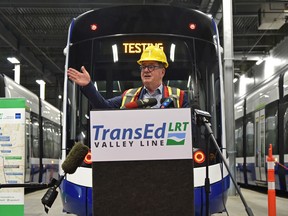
point(175, 94)
point(131, 95)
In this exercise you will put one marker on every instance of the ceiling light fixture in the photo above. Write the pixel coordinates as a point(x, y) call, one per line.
point(259, 61)
point(42, 84)
point(13, 60)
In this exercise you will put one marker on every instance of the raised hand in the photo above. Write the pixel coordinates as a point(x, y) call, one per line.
point(80, 78)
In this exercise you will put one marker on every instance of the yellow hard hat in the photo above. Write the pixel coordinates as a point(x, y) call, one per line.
point(152, 53)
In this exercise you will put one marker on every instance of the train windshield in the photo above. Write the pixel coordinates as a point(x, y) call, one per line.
point(114, 60)
point(112, 64)
point(111, 60)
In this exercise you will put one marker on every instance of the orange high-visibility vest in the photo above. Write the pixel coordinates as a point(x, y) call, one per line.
point(175, 93)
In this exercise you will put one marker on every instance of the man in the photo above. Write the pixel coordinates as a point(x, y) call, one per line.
point(153, 63)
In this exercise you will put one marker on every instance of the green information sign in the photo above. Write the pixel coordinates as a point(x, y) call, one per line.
point(12, 154)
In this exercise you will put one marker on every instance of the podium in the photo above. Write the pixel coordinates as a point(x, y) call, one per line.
point(142, 162)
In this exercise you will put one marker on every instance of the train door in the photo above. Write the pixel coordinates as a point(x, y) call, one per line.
point(260, 147)
point(28, 142)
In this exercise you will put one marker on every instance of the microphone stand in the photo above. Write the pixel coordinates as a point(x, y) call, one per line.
point(51, 194)
point(26, 185)
point(49, 197)
point(207, 179)
point(201, 117)
point(30, 185)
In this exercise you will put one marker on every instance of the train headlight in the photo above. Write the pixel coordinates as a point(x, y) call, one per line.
point(88, 158)
point(199, 156)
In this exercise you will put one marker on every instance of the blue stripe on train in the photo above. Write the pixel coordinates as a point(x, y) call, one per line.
point(251, 176)
point(218, 197)
point(76, 197)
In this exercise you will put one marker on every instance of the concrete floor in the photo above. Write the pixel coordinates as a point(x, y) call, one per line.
point(34, 207)
point(255, 200)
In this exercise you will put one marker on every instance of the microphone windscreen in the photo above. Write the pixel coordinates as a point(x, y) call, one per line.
point(148, 102)
point(75, 158)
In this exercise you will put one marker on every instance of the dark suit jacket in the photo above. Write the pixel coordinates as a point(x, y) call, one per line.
point(99, 102)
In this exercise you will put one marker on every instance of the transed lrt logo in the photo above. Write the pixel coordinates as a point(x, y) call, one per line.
point(177, 138)
point(148, 135)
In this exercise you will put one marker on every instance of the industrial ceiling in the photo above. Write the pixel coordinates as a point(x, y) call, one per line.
point(36, 32)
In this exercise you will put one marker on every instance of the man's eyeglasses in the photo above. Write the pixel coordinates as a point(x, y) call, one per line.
point(149, 67)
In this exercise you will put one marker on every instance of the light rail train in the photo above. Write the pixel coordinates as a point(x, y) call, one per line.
point(108, 42)
point(261, 119)
point(43, 133)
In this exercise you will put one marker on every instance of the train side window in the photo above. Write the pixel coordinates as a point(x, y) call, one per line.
point(239, 138)
point(82, 129)
point(47, 144)
point(271, 127)
point(286, 132)
point(35, 135)
point(51, 138)
point(249, 137)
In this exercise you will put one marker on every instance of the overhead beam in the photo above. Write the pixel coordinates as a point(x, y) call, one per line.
point(257, 2)
point(204, 5)
point(72, 3)
point(31, 59)
point(251, 42)
point(253, 34)
point(216, 5)
point(210, 6)
point(13, 42)
point(247, 46)
point(8, 37)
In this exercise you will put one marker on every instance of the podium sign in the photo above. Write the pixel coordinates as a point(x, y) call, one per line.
point(141, 135)
point(142, 162)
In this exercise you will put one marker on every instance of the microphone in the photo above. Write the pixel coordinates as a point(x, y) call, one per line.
point(147, 102)
point(75, 158)
point(71, 163)
point(166, 103)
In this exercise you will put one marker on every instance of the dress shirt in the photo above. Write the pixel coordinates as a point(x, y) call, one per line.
point(157, 94)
